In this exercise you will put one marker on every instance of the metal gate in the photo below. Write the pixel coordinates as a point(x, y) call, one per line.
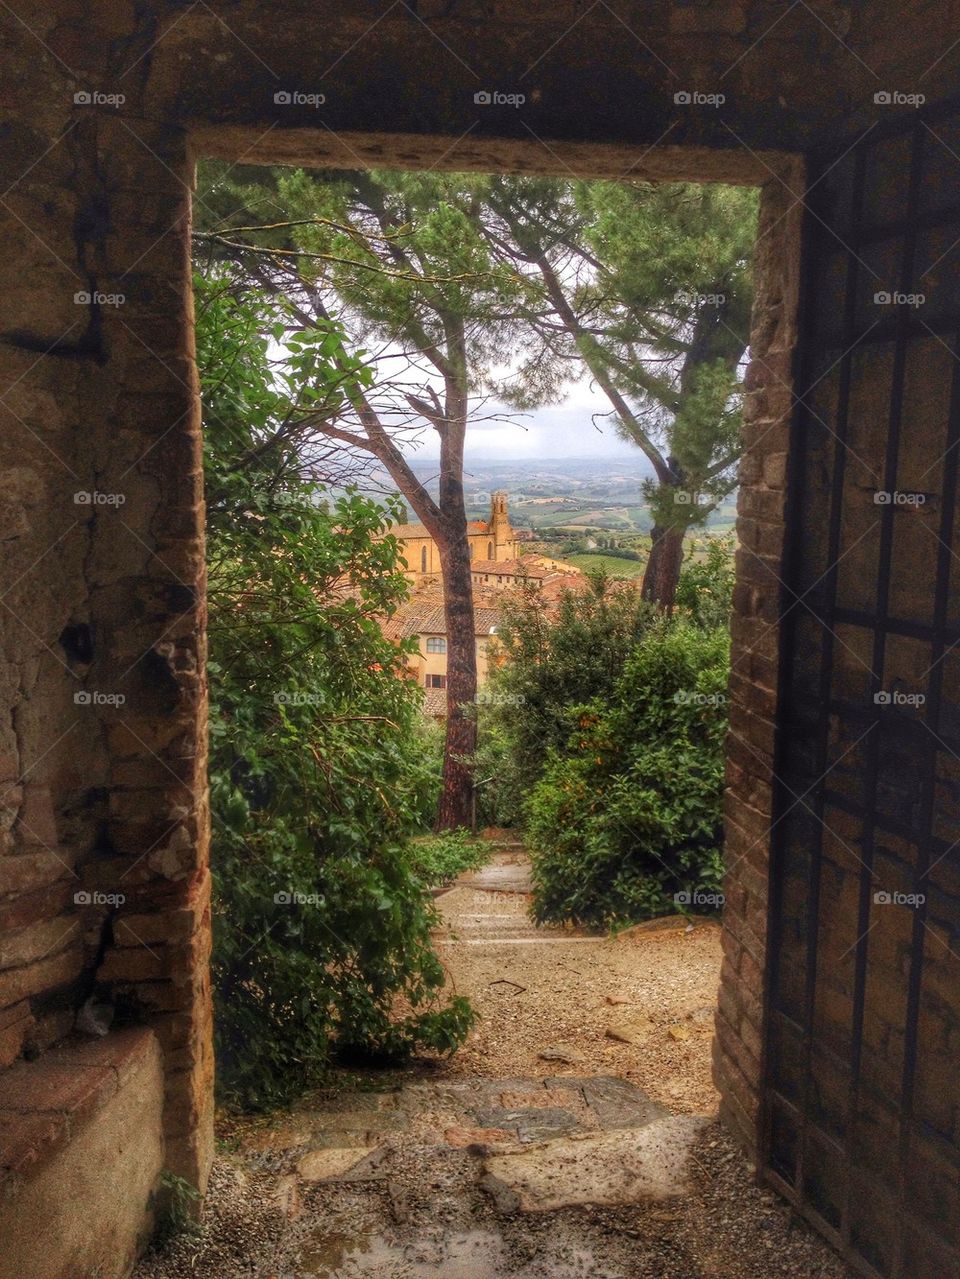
point(861, 1101)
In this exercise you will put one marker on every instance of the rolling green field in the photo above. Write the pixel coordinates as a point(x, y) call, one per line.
point(695, 550)
point(612, 564)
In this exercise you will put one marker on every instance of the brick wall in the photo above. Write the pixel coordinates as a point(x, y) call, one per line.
point(104, 887)
point(758, 604)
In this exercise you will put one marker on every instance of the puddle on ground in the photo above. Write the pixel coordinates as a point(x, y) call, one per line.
point(472, 1254)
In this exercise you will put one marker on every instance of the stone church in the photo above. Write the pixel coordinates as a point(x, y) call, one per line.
point(491, 541)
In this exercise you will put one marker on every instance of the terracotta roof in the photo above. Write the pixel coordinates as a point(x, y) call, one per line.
point(435, 702)
point(421, 530)
point(426, 603)
point(431, 621)
point(408, 530)
point(516, 568)
point(557, 583)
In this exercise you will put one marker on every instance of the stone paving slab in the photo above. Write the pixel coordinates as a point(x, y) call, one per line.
point(343, 1164)
point(505, 873)
point(502, 1117)
point(533, 1123)
point(618, 1103)
point(624, 1166)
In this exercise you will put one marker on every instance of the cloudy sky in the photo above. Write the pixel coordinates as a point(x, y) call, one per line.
point(564, 430)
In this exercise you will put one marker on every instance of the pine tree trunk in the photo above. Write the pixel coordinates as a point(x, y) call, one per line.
point(662, 573)
point(456, 796)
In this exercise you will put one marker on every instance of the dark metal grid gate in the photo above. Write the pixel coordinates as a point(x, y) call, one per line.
point(861, 1106)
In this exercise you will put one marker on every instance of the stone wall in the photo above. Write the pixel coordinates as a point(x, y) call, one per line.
point(104, 887)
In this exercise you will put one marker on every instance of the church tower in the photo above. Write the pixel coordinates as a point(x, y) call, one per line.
point(500, 529)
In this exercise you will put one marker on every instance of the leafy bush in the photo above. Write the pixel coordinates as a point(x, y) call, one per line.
point(499, 791)
point(553, 661)
point(628, 812)
point(426, 770)
point(321, 924)
point(439, 859)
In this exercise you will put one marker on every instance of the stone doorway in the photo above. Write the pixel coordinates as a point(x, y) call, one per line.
point(102, 113)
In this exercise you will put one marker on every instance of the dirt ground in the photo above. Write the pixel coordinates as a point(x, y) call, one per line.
point(537, 989)
point(483, 1166)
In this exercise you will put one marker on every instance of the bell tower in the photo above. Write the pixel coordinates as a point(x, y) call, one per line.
point(500, 529)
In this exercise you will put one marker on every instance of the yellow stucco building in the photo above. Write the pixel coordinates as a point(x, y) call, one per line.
point(492, 539)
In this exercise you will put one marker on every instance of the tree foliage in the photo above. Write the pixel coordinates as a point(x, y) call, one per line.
point(646, 287)
point(401, 260)
point(705, 590)
point(321, 926)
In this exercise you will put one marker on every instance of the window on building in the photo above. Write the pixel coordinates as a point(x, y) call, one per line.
point(472, 549)
point(436, 644)
point(489, 550)
point(423, 559)
point(436, 681)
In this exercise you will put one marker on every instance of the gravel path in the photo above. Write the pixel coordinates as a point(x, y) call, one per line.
point(394, 1175)
point(540, 989)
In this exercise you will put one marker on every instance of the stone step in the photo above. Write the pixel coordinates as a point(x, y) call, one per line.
point(492, 928)
point(500, 876)
point(517, 941)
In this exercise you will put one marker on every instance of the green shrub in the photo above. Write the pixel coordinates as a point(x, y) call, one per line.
point(553, 661)
point(439, 859)
point(627, 815)
point(499, 790)
point(426, 771)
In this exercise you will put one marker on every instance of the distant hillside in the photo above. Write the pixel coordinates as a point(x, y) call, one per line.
point(575, 493)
